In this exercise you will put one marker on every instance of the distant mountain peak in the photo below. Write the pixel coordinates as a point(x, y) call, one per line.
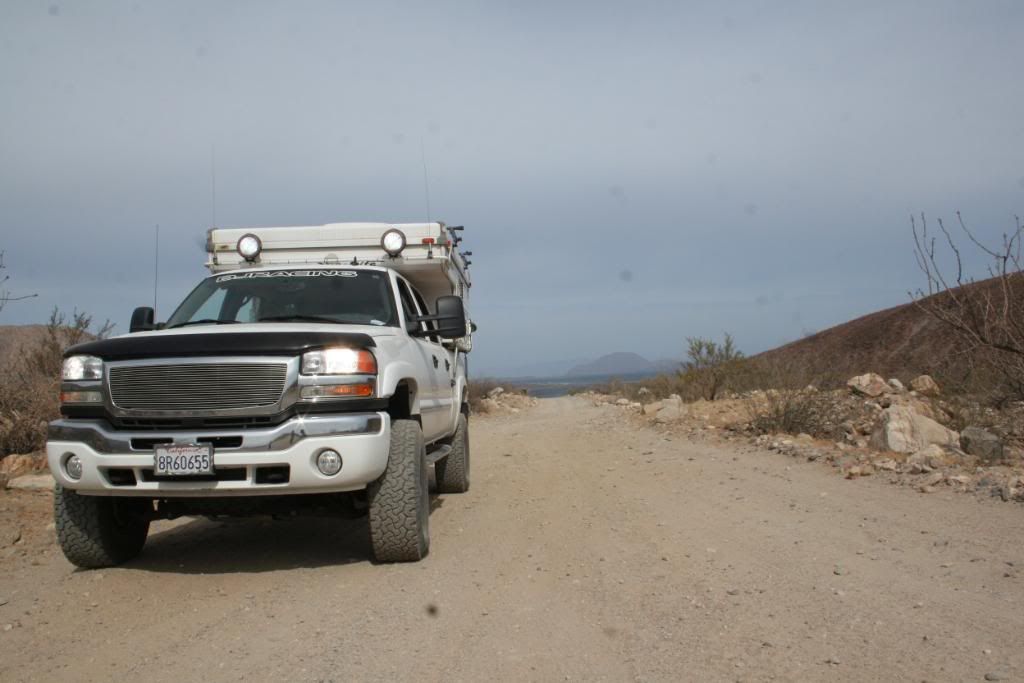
point(619, 362)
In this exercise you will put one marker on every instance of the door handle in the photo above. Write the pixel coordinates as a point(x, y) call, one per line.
point(435, 361)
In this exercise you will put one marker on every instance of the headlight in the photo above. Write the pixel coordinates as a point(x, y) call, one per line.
point(393, 242)
point(249, 247)
point(77, 368)
point(339, 362)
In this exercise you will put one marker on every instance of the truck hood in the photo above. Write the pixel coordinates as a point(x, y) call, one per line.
point(261, 339)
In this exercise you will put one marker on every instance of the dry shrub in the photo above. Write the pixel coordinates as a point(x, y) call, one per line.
point(988, 316)
point(786, 411)
point(31, 382)
point(478, 389)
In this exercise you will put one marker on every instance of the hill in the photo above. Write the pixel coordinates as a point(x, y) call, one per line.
point(620, 362)
point(902, 341)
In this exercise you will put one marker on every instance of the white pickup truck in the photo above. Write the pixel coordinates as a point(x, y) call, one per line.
point(305, 374)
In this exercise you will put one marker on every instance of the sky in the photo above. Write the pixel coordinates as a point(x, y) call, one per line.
point(629, 174)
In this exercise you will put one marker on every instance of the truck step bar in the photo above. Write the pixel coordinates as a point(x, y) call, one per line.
point(441, 452)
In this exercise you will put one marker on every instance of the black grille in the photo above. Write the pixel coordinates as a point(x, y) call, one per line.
point(197, 386)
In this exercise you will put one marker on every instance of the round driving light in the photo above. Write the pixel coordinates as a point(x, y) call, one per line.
point(73, 466)
point(249, 247)
point(328, 462)
point(393, 242)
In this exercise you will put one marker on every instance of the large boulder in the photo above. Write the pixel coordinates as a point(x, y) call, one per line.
point(870, 384)
point(982, 443)
point(925, 385)
point(671, 410)
point(652, 408)
point(904, 431)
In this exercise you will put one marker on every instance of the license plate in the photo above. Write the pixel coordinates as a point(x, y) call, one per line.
point(183, 461)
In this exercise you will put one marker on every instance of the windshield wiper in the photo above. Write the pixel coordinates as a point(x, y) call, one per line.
point(205, 321)
point(307, 318)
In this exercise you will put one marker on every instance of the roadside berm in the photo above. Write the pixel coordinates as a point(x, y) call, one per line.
point(872, 426)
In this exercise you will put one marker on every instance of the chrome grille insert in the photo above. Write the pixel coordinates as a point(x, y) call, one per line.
point(197, 386)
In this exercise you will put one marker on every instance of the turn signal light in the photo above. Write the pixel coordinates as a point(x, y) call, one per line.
point(364, 390)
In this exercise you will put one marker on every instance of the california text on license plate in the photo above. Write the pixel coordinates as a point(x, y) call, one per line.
point(183, 461)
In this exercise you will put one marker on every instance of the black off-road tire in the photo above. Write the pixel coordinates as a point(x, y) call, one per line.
point(452, 471)
point(99, 531)
point(399, 501)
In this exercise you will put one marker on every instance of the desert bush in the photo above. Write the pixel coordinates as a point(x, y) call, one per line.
point(987, 316)
point(31, 382)
point(785, 411)
point(710, 366)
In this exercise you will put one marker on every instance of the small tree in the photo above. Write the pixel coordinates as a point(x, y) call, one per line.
point(710, 365)
point(987, 316)
point(5, 295)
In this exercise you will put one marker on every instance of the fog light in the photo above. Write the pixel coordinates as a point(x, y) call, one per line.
point(73, 466)
point(328, 462)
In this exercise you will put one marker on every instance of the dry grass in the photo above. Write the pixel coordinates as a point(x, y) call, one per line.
point(31, 381)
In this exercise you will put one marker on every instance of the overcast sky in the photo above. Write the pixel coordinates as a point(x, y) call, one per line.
point(629, 174)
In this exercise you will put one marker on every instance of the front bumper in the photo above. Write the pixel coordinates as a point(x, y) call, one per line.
point(120, 463)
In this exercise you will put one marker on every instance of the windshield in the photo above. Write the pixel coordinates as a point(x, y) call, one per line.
point(361, 297)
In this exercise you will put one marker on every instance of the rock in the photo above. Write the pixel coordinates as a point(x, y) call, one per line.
point(896, 386)
point(622, 402)
point(489, 405)
point(643, 391)
point(669, 412)
point(888, 464)
point(997, 676)
point(871, 385)
point(32, 482)
point(961, 479)
point(933, 479)
point(495, 392)
point(982, 443)
point(9, 536)
point(904, 431)
point(925, 385)
point(652, 408)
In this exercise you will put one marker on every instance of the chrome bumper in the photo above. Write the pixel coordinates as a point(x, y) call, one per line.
point(362, 439)
point(98, 435)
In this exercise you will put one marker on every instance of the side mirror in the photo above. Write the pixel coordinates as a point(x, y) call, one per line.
point(142, 319)
point(451, 317)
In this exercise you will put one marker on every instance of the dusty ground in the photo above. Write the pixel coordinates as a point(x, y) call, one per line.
point(588, 549)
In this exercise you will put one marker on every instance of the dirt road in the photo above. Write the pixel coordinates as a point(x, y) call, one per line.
point(588, 549)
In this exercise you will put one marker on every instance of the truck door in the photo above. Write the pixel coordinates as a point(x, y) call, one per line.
point(431, 408)
point(447, 370)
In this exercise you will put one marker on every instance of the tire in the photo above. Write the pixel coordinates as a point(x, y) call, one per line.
point(452, 471)
point(99, 531)
point(399, 501)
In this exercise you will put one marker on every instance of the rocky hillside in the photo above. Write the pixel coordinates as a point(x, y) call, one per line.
point(903, 342)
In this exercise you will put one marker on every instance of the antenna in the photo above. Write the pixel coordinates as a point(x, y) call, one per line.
point(213, 183)
point(426, 182)
point(156, 265)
